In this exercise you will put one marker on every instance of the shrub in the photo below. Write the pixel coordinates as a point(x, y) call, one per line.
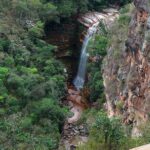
point(4, 44)
point(67, 7)
point(26, 122)
point(109, 134)
point(31, 80)
point(48, 108)
point(100, 45)
point(119, 105)
point(37, 30)
point(3, 72)
point(124, 20)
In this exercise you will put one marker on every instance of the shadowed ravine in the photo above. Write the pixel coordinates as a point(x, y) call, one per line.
point(74, 74)
point(76, 100)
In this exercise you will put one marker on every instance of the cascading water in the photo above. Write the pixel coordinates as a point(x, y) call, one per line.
point(80, 78)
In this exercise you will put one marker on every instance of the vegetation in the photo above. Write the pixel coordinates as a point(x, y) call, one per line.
point(97, 49)
point(110, 134)
point(32, 81)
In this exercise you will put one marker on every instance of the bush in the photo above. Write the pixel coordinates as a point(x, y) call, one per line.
point(26, 123)
point(97, 48)
point(4, 44)
point(106, 133)
point(37, 30)
point(3, 72)
point(109, 134)
point(96, 86)
point(67, 7)
point(31, 80)
point(100, 45)
point(119, 105)
point(48, 108)
point(145, 128)
point(124, 20)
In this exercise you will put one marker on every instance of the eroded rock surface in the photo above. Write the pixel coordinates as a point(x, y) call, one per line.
point(107, 17)
point(77, 106)
point(127, 80)
point(74, 134)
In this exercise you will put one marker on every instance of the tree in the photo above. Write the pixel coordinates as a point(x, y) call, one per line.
point(108, 134)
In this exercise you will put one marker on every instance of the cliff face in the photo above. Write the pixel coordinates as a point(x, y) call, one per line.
point(127, 77)
point(65, 35)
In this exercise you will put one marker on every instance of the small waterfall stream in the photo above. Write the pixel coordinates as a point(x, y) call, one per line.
point(73, 135)
point(80, 78)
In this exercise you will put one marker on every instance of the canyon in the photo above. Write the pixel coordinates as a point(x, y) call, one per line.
point(74, 74)
point(73, 134)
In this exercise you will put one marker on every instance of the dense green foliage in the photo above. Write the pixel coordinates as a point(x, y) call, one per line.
point(97, 49)
point(31, 81)
point(53, 9)
point(105, 133)
point(109, 134)
point(70, 7)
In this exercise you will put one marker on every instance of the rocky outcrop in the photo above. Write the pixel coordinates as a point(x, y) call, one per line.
point(77, 104)
point(73, 136)
point(69, 33)
point(127, 77)
point(107, 16)
point(74, 133)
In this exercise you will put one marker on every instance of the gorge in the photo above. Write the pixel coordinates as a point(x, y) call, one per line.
point(74, 74)
point(91, 21)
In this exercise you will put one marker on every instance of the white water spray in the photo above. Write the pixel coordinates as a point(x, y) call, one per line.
point(80, 78)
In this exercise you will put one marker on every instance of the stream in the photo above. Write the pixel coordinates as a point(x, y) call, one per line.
point(74, 134)
point(80, 78)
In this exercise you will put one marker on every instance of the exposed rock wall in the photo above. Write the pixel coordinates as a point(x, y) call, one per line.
point(127, 78)
point(65, 35)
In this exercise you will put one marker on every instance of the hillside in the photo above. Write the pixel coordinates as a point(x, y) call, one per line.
point(66, 66)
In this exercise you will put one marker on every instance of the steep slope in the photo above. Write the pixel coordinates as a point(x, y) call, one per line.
point(32, 81)
point(126, 69)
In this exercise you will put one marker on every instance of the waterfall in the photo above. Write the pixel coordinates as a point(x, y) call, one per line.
point(80, 78)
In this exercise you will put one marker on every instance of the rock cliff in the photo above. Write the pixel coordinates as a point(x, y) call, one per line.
point(126, 69)
point(64, 35)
